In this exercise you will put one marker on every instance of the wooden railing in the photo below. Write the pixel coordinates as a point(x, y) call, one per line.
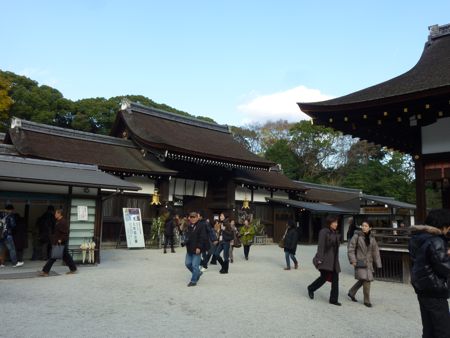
point(393, 244)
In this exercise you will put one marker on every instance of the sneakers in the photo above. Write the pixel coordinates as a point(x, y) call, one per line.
point(203, 269)
point(287, 268)
point(71, 272)
point(18, 264)
point(192, 284)
point(2, 265)
point(42, 274)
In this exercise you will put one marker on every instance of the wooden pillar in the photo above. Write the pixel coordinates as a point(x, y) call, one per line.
point(311, 229)
point(98, 225)
point(421, 203)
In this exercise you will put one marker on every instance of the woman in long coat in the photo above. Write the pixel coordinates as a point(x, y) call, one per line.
point(326, 260)
point(362, 253)
point(290, 245)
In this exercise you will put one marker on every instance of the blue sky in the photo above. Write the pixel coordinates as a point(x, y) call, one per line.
point(234, 61)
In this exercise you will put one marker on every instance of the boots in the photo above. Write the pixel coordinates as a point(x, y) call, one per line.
point(222, 264)
point(225, 267)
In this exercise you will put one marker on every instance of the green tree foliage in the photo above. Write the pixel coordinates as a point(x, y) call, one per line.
point(280, 152)
point(5, 101)
point(47, 105)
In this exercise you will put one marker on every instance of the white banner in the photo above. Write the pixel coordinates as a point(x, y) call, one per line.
point(133, 227)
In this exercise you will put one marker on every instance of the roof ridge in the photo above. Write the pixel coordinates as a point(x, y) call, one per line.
point(69, 133)
point(129, 106)
point(328, 186)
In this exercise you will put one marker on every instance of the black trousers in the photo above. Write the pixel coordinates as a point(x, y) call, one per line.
point(167, 240)
point(246, 250)
point(334, 293)
point(435, 317)
point(67, 258)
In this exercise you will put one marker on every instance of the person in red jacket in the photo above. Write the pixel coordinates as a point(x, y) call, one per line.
point(60, 237)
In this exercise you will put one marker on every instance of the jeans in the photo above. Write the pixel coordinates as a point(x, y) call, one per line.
point(225, 246)
point(9, 243)
point(288, 257)
point(67, 258)
point(192, 262)
point(435, 317)
point(334, 294)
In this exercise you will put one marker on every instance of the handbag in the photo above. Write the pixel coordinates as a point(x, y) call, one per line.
point(360, 264)
point(316, 262)
point(281, 243)
point(57, 251)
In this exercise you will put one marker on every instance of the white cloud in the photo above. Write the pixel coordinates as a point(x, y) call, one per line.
point(42, 76)
point(280, 105)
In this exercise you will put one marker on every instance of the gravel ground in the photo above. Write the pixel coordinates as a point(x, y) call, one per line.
point(143, 293)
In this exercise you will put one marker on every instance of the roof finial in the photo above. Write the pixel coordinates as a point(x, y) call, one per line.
point(125, 104)
point(437, 31)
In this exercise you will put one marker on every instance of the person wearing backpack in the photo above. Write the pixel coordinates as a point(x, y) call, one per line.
point(362, 253)
point(6, 237)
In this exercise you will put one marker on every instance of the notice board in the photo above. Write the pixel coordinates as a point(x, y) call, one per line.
point(133, 227)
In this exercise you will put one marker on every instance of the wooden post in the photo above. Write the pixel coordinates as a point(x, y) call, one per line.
point(421, 203)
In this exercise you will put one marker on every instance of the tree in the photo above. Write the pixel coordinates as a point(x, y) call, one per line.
point(280, 152)
point(5, 102)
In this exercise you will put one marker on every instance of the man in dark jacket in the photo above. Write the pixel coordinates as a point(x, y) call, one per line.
point(60, 237)
point(169, 228)
point(196, 243)
point(430, 272)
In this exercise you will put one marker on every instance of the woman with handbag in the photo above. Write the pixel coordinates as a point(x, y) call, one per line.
point(59, 241)
point(326, 260)
point(290, 245)
point(362, 253)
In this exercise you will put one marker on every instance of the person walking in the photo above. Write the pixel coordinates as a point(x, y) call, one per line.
point(60, 237)
point(290, 245)
point(169, 232)
point(6, 237)
point(362, 252)
point(430, 272)
point(213, 242)
point(225, 237)
point(247, 233)
point(196, 243)
point(326, 260)
point(236, 242)
point(20, 237)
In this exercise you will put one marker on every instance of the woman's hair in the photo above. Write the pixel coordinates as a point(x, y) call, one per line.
point(438, 218)
point(331, 219)
point(368, 222)
point(227, 225)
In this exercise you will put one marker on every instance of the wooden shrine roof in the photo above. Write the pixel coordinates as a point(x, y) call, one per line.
point(392, 113)
point(182, 138)
point(109, 153)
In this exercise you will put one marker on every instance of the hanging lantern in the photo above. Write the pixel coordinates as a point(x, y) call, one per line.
point(155, 198)
point(245, 203)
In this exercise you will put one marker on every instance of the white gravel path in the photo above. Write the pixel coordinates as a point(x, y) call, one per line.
point(143, 293)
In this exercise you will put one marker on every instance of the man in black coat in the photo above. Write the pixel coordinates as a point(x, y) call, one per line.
point(196, 243)
point(430, 272)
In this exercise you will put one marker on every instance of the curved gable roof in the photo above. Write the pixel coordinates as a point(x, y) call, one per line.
point(60, 144)
point(431, 75)
point(177, 136)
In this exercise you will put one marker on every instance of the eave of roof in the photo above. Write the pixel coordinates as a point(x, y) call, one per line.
point(26, 170)
point(267, 179)
point(315, 207)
